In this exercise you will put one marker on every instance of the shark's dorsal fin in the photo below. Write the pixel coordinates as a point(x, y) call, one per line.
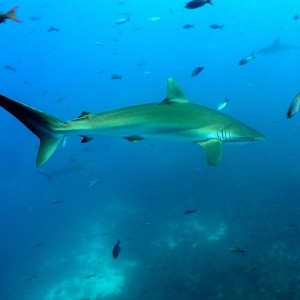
point(277, 41)
point(174, 93)
point(213, 150)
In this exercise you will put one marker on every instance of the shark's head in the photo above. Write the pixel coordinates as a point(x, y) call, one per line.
point(240, 133)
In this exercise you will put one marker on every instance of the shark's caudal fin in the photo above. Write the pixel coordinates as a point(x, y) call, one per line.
point(44, 126)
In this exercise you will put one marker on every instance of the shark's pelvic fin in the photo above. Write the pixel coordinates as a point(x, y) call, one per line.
point(44, 126)
point(213, 150)
point(133, 138)
point(174, 93)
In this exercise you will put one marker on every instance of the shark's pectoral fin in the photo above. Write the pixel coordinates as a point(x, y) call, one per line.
point(213, 151)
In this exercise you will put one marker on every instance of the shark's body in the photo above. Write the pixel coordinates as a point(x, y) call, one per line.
point(277, 47)
point(174, 119)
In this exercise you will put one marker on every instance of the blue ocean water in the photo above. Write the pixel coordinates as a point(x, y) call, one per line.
point(60, 222)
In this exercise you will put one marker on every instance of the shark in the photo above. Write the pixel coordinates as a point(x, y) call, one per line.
point(173, 119)
point(277, 47)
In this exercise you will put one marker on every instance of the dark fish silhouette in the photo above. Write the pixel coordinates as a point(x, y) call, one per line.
point(52, 28)
point(116, 76)
point(216, 26)
point(10, 68)
point(237, 250)
point(38, 245)
point(188, 26)
point(116, 250)
point(189, 211)
point(57, 201)
point(296, 17)
point(35, 18)
point(89, 276)
point(11, 14)
point(246, 59)
point(196, 71)
point(197, 3)
point(30, 277)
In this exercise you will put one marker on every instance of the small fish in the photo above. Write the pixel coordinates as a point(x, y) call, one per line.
point(35, 18)
point(154, 19)
point(116, 250)
point(30, 277)
point(10, 68)
point(99, 44)
point(95, 182)
point(116, 76)
point(147, 73)
point(188, 26)
point(197, 71)
point(237, 250)
point(90, 276)
point(294, 107)
point(197, 3)
point(122, 20)
point(57, 201)
point(296, 17)
point(189, 211)
point(58, 291)
point(11, 15)
point(246, 59)
point(38, 245)
point(60, 99)
point(223, 104)
point(52, 28)
point(216, 26)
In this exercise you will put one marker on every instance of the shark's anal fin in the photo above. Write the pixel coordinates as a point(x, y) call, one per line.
point(213, 150)
point(86, 139)
point(133, 138)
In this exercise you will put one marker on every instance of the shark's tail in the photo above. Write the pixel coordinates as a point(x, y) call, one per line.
point(48, 129)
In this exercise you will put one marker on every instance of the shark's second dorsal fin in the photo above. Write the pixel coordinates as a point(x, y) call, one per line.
point(174, 93)
point(84, 114)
